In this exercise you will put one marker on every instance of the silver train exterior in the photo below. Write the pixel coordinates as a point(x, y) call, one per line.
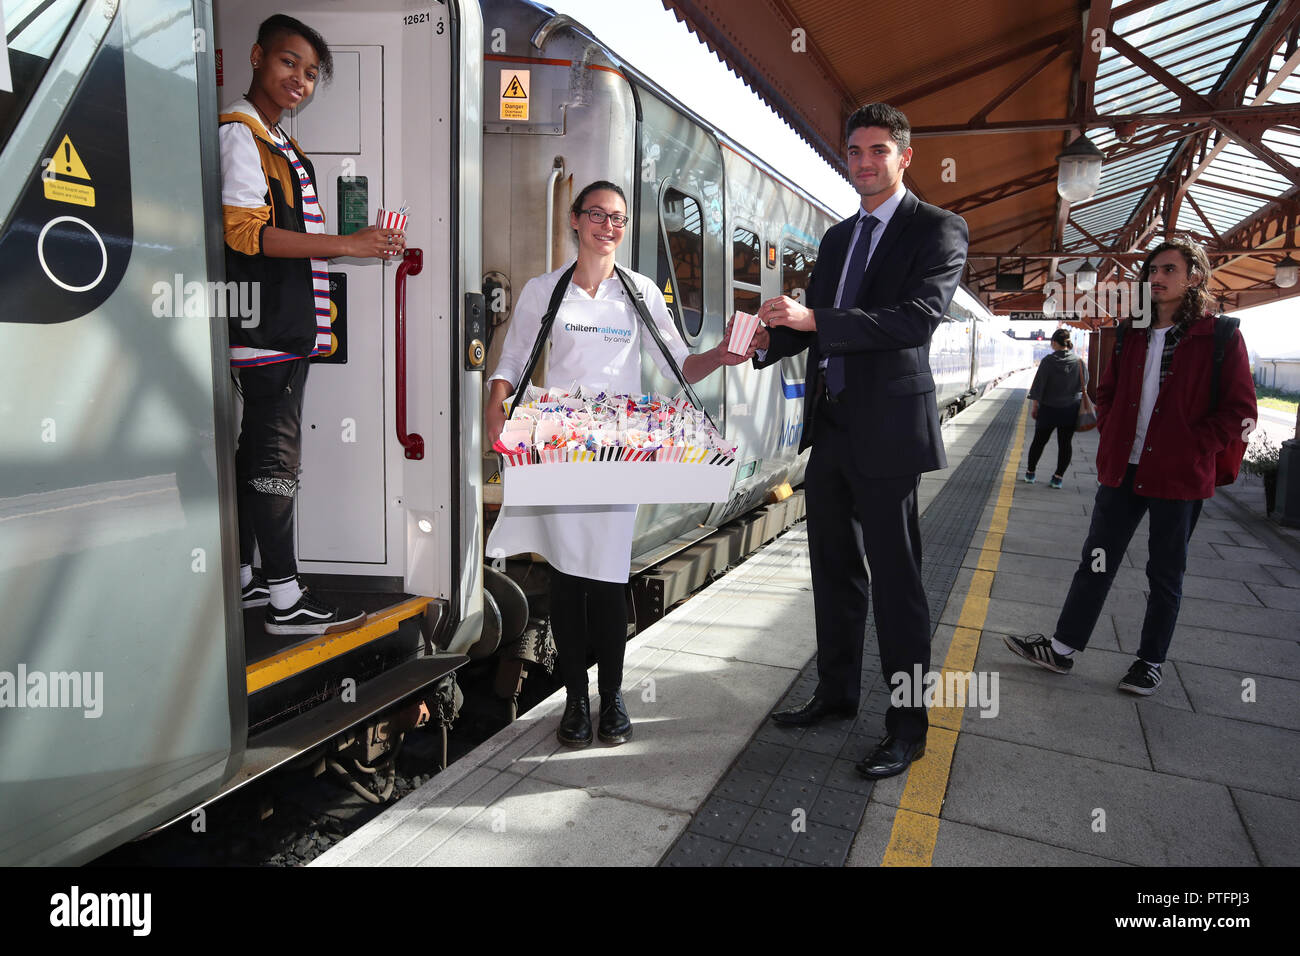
point(126, 674)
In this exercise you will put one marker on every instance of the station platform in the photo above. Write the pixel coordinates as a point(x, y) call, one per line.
point(1038, 769)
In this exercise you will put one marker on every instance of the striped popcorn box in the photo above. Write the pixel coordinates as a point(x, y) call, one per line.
point(609, 453)
point(514, 459)
point(720, 458)
point(671, 453)
point(743, 328)
point(391, 220)
point(639, 454)
point(552, 456)
point(582, 454)
point(694, 455)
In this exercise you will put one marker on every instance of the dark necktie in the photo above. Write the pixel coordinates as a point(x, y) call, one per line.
point(857, 269)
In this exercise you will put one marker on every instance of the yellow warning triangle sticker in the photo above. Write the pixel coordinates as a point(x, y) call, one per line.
point(495, 479)
point(668, 290)
point(514, 91)
point(66, 162)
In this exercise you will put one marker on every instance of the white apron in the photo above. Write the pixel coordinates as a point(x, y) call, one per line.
point(595, 343)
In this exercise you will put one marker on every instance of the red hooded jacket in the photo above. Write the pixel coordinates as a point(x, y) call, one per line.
point(1184, 436)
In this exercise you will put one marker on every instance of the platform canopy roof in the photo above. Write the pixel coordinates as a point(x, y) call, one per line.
point(1195, 104)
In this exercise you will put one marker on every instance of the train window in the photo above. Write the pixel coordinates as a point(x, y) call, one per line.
point(34, 31)
point(747, 267)
point(746, 258)
point(796, 269)
point(683, 226)
point(747, 300)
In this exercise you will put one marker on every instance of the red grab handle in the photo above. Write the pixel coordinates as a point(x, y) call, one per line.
point(411, 264)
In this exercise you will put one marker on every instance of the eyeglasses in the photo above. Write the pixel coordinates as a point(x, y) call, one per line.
point(598, 216)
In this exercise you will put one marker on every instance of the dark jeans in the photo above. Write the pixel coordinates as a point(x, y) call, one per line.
point(1062, 421)
point(1115, 516)
point(588, 615)
point(266, 463)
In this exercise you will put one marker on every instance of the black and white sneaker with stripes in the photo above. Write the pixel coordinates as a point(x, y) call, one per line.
point(256, 594)
point(309, 616)
point(1142, 678)
point(1037, 649)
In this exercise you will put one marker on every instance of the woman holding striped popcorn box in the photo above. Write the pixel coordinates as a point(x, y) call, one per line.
point(595, 332)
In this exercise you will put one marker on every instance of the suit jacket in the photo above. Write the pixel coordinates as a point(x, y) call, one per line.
point(884, 339)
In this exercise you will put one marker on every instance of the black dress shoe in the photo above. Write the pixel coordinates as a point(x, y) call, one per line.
point(812, 711)
point(615, 726)
point(891, 757)
point(575, 725)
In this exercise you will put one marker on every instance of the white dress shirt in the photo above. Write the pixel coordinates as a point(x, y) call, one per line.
point(883, 213)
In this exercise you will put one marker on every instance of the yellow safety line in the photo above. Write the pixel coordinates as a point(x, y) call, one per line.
point(300, 657)
point(916, 824)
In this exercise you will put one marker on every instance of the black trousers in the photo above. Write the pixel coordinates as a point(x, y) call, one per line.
point(851, 515)
point(586, 616)
point(1061, 420)
point(267, 462)
point(1116, 514)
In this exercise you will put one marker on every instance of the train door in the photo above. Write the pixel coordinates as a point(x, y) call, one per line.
point(121, 680)
point(390, 414)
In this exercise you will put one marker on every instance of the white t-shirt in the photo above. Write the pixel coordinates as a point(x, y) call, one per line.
point(595, 342)
point(1150, 389)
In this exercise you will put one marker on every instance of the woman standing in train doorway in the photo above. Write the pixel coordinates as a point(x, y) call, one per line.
point(589, 548)
point(277, 246)
point(1055, 397)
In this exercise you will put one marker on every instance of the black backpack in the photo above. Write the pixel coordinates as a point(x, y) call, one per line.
point(1227, 463)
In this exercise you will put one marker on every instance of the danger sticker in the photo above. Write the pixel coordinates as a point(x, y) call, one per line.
point(514, 94)
point(66, 162)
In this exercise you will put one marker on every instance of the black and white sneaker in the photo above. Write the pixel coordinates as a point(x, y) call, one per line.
point(257, 594)
point(309, 616)
point(1141, 678)
point(1037, 649)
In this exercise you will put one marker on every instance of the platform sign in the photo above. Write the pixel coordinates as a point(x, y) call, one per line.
point(514, 94)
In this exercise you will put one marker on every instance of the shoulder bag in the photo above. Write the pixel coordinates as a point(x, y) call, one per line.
point(1087, 420)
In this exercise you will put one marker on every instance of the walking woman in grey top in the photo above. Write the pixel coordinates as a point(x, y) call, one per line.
point(1055, 397)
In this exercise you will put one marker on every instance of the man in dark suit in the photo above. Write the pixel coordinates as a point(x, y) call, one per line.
point(881, 285)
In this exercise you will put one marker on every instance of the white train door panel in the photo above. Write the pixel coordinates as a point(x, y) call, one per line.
point(341, 513)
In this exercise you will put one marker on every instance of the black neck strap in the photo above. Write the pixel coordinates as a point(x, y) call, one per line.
point(543, 334)
point(638, 302)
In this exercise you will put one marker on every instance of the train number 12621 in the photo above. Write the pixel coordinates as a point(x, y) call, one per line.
point(414, 19)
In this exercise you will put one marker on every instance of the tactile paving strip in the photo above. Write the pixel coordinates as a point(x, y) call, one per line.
point(793, 797)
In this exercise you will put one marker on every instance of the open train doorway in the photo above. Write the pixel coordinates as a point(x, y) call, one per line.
point(381, 486)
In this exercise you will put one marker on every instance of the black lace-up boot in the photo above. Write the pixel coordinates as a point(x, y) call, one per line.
point(575, 725)
point(615, 726)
